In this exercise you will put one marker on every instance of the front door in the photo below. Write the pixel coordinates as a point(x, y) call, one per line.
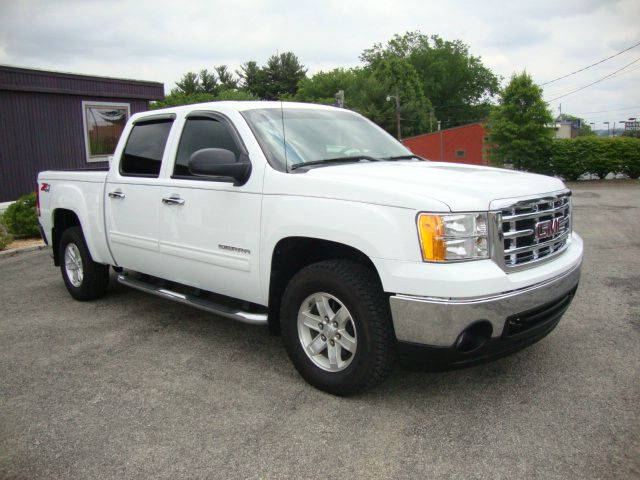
point(209, 228)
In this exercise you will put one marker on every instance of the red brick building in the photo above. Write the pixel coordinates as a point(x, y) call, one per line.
point(463, 144)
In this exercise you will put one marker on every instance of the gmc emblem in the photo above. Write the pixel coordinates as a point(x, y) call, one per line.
point(548, 228)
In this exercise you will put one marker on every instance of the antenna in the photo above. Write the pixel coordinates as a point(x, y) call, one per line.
point(284, 140)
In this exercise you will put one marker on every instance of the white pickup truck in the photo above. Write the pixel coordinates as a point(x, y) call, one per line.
point(314, 221)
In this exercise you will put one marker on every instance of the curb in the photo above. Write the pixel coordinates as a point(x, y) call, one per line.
point(16, 251)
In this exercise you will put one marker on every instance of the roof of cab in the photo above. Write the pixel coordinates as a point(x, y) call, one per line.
point(233, 105)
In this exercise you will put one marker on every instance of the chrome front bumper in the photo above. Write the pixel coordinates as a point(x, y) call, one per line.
point(439, 321)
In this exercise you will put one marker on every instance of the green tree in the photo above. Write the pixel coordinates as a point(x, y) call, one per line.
point(458, 84)
point(207, 82)
point(322, 87)
point(226, 78)
point(399, 78)
point(188, 84)
point(282, 74)
point(366, 91)
point(251, 77)
point(518, 128)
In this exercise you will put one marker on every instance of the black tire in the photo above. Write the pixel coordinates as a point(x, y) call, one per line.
point(95, 276)
point(358, 289)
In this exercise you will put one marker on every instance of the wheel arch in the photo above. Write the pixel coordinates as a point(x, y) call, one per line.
point(63, 219)
point(291, 254)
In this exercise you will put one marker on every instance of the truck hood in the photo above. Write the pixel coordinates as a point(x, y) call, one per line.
point(422, 185)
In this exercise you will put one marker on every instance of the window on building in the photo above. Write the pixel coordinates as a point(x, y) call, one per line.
point(103, 125)
point(142, 155)
point(460, 153)
point(199, 133)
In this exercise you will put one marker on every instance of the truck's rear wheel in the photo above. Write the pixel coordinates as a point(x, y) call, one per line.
point(336, 327)
point(84, 278)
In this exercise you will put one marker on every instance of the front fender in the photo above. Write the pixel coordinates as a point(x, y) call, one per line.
point(380, 232)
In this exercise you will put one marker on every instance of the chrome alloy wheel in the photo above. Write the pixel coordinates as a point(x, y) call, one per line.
point(73, 264)
point(327, 332)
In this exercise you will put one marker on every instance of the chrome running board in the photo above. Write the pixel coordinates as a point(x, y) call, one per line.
point(195, 301)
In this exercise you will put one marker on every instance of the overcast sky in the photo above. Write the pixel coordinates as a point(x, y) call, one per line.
point(160, 40)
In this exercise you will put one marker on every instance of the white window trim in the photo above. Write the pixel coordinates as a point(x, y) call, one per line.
point(85, 103)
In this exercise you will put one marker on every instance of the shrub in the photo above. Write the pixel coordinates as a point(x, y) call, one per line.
point(564, 161)
point(5, 237)
point(628, 151)
point(175, 99)
point(21, 218)
point(571, 158)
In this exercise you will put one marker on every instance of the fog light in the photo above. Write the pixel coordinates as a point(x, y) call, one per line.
point(475, 336)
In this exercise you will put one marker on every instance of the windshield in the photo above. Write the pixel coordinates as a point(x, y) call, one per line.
point(314, 135)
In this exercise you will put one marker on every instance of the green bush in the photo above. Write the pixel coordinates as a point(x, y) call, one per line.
point(5, 237)
point(175, 99)
point(21, 218)
point(571, 158)
point(628, 151)
point(564, 161)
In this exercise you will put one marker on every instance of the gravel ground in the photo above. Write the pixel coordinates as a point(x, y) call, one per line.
point(132, 386)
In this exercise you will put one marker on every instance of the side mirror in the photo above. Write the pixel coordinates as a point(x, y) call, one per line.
point(218, 162)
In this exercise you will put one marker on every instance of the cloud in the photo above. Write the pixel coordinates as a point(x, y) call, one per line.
point(160, 39)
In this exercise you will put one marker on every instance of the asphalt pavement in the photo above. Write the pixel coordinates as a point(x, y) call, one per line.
point(133, 386)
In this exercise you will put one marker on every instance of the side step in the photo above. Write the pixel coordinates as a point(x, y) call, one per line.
point(194, 301)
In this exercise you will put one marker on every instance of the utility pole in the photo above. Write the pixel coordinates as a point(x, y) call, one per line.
point(624, 122)
point(608, 129)
point(397, 99)
point(441, 143)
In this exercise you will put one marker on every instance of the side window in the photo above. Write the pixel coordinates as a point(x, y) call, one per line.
point(199, 133)
point(143, 153)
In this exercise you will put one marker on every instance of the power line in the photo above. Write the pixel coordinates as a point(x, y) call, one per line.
point(628, 71)
point(590, 66)
point(607, 111)
point(593, 83)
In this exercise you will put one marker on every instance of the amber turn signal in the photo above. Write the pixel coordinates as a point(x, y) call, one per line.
point(432, 240)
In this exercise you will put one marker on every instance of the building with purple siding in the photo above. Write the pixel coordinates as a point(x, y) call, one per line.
point(51, 120)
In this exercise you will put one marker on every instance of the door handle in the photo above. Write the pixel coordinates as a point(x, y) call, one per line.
point(116, 194)
point(173, 200)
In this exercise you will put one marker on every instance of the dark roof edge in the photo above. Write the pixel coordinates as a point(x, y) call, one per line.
point(81, 93)
point(79, 76)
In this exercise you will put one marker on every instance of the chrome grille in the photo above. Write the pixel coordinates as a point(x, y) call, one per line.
point(518, 223)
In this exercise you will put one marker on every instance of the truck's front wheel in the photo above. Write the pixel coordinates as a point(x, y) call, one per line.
point(336, 327)
point(84, 278)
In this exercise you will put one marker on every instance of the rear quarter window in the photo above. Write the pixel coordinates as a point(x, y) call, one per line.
point(145, 146)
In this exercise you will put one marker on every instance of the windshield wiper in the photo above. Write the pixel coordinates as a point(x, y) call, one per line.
point(353, 158)
point(403, 157)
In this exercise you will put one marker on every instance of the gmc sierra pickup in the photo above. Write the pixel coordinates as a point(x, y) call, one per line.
point(314, 221)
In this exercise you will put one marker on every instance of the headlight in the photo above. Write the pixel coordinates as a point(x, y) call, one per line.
point(454, 237)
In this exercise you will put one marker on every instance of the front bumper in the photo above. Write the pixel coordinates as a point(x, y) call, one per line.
point(514, 317)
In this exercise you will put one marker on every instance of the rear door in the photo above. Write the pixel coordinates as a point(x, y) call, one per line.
point(133, 196)
point(209, 228)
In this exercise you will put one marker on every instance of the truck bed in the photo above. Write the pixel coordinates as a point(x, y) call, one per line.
point(79, 191)
point(93, 175)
